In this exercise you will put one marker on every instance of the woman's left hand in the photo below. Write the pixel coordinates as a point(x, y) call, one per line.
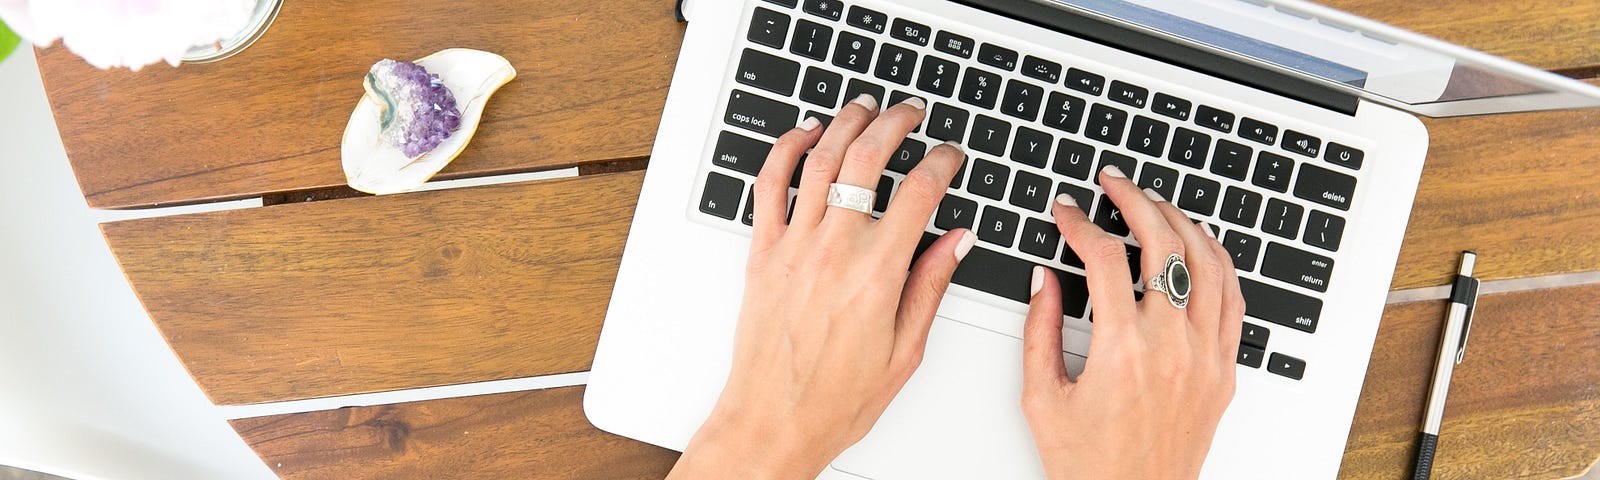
point(832, 323)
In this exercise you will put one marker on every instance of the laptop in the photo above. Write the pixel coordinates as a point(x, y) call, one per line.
point(1291, 126)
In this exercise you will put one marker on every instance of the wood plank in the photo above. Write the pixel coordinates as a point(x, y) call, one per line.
point(536, 434)
point(1541, 33)
point(381, 293)
point(592, 78)
point(1524, 403)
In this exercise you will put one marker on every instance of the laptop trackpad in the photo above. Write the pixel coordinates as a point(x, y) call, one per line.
point(958, 417)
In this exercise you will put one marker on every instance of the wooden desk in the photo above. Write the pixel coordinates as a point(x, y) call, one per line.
point(350, 295)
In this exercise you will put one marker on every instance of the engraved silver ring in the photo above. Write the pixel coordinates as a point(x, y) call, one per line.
point(851, 197)
point(1173, 280)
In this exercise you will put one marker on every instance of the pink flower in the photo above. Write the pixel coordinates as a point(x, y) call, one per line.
point(126, 33)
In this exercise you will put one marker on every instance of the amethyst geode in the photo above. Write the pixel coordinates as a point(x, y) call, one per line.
point(418, 111)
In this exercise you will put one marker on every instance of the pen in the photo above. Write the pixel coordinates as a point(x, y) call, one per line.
point(1452, 345)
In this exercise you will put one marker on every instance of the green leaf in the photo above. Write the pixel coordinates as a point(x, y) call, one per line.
point(8, 41)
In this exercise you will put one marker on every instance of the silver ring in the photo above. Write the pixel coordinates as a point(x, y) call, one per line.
point(1177, 274)
point(851, 197)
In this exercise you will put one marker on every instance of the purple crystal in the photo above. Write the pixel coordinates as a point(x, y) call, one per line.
point(419, 112)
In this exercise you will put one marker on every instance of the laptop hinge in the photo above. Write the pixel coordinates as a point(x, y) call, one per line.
point(1066, 20)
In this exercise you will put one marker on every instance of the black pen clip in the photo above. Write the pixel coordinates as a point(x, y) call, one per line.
point(1465, 292)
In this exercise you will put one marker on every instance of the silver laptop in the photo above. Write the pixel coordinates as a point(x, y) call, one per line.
point(1289, 125)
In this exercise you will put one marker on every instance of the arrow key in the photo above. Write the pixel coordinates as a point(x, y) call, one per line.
point(1287, 366)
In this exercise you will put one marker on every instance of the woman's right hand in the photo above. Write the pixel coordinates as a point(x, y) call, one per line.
point(1158, 377)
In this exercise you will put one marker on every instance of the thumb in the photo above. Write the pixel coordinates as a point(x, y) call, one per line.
point(924, 288)
point(1042, 365)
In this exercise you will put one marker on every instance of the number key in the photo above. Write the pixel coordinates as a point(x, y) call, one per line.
point(1022, 100)
point(811, 40)
point(938, 76)
point(980, 88)
point(853, 52)
point(895, 64)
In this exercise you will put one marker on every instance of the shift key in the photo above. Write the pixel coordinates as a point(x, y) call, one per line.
point(1280, 306)
point(759, 114)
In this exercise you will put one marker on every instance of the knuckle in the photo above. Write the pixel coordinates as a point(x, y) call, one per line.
point(1103, 248)
point(864, 152)
point(1168, 242)
point(767, 184)
point(922, 186)
point(789, 142)
point(821, 163)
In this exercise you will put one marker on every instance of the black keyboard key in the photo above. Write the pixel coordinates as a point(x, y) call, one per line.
point(1282, 218)
point(1148, 136)
point(1123, 162)
point(955, 212)
point(1287, 366)
point(909, 31)
point(1301, 143)
point(1189, 148)
point(938, 76)
point(811, 40)
point(829, 9)
point(1109, 218)
point(1073, 159)
point(821, 87)
point(825, 119)
point(1063, 112)
point(1041, 69)
point(749, 215)
point(1032, 147)
point(1272, 171)
point(953, 44)
point(907, 156)
point(1022, 100)
point(1171, 106)
point(997, 56)
point(866, 18)
point(1213, 118)
point(1240, 206)
point(1199, 194)
point(897, 97)
point(989, 135)
point(785, 3)
point(1325, 186)
point(947, 123)
point(998, 226)
point(1244, 249)
point(768, 28)
point(980, 88)
point(740, 153)
point(988, 179)
point(1259, 131)
point(1231, 160)
point(1040, 238)
point(1086, 82)
point(853, 52)
point(1280, 306)
point(760, 115)
point(1133, 267)
point(794, 178)
point(961, 172)
point(880, 203)
point(1343, 156)
point(1251, 356)
point(857, 88)
point(896, 64)
point(1129, 94)
point(1009, 277)
point(767, 72)
point(1106, 124)
point(1083, 196)
point(1297, 267)
point(1161, 179)
point(1030, 191)
point(1324, 231)
point(721, 197)
point(1254, 335)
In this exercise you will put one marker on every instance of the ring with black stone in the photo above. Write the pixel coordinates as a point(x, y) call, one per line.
point(1176, 276)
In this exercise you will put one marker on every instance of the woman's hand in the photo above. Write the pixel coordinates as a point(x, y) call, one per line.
point(832, 324)
point(1158, 377)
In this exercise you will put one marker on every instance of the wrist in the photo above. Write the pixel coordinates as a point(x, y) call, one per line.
point(742, 446)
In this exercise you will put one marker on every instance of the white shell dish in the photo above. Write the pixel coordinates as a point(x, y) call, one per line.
point(373, 167)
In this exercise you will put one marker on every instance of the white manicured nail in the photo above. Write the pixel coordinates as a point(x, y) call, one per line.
point(1038, 281)
point(1067, 200)
point(957, 146)
point(868, 101)
point(1112, 170)
point(916, 103)
point(810, 123)
point(965, 245)
point(1154, 197)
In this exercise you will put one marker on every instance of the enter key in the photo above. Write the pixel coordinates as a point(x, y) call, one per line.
point(1297, 267)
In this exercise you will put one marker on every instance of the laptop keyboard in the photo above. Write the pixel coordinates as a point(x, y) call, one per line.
point(1034, 127)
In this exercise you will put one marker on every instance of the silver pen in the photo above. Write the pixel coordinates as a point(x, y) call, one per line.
point(1452, 346)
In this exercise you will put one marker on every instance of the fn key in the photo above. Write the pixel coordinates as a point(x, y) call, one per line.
point(721, 197)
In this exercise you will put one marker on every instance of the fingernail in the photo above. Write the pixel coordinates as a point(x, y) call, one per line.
point(810, 123)
point(1067, 200)
point(1206, 227)
point(965, 245)
point(868, 101)
point(1038, 281)
point(1154, 197)
point(916, 103)
point(1112, 170)
point(956, 145)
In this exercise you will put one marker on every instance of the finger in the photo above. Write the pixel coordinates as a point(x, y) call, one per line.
point(919, 195)
point(822, 165)
point(865, 158)
point(1206, 270)
point(1233, 308)
point(1042, 366)
point(1157, 241)
point(1105, 262)
point(924, 289)
point(771, 190)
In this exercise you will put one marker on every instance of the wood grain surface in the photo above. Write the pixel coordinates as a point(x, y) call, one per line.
point(380, 293)
point(591, 80)
point(536, 434)
point(1549, 34)
point(1520, 407)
